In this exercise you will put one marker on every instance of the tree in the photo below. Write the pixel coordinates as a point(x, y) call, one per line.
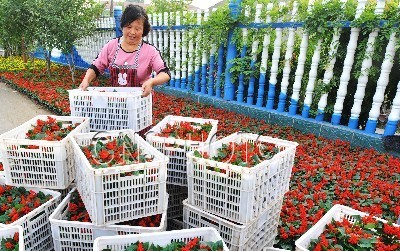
point(16, 25)
point(62, 23)
point(160, 6)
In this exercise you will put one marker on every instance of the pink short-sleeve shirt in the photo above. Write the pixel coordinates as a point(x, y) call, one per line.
point(149, 59)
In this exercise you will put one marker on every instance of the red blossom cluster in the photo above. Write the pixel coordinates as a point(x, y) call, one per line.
point(364, 233)
point(15, 202)
point(192, 245)
point(50, 130)
point(187, 131)
point(10, 244)
point(1, 166)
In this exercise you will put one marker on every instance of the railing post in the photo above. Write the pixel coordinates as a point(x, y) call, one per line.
point(229, 88)
point(117, 17)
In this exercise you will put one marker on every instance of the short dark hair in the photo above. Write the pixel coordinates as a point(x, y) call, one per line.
point(132, 13)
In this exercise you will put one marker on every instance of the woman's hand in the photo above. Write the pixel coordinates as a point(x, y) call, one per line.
point(84, 85)
point(147, 87)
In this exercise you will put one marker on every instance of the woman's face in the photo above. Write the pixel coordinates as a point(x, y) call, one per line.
point(133, 32)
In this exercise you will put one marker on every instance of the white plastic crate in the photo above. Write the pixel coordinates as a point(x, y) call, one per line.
point(177, 173)
point(337, 212)
point(36, 224)
point(8, 232)
point(241, 193)
point(112, 108)
point(119, 243)
point(75, 235)
point(274, 249)
point(176, 195)
point(110, 196)
point(49, 166)
point(1, 161)
point(252, 236)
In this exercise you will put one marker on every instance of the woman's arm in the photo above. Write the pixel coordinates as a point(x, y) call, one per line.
point(159, 79)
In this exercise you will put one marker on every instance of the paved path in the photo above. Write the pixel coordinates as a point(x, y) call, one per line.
point(16, 108)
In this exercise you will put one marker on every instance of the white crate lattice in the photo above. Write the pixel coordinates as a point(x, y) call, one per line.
point(109, 197)
point(74, 235)
point(259, 233)
point(176, 195)
point(241, 193)
point(119, 243)
point(36, 226)
point(112, 108)
point(177, 173)
point(49, 166)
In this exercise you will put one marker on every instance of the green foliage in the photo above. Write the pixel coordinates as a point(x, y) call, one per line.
point(170, 6)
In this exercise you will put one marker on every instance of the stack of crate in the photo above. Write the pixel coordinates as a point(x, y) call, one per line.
point(163, 137)
point(242, 202)
point(39, 165)
point(113, 194)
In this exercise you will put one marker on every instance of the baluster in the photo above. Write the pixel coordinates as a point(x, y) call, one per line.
point(149, 36)
point(394, 116)
point(204, 63)
point(264, 59)
point(154, 31)
point(210, 90)
point(254, 48)
point(312, 76)
point(191, 56)
point(178, 52)
point(275, 64)
point(219, 71)
point(347, 66)
point(197, 57)
point(184, 56)
point(172, 53)
point(160, 32)
point(242, 55)
point(300, 68)
point(365, 66)
point(288, 58)
point(381, 84)
point(329, 71)
point(165, 32)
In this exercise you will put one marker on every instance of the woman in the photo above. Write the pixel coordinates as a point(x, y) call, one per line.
point(129, 59)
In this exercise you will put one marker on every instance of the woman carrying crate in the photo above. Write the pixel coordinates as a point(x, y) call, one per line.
point(129, 59)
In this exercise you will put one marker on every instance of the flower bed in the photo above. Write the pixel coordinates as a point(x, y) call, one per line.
point(71, 227)
point(325, 172)
point(112, 108)
point(238, 184)
point(122, 187)
point(39, 152)
point(12, 238)
point(188, 238)
point(35, 221)
point(344, 228)
point(175, 136)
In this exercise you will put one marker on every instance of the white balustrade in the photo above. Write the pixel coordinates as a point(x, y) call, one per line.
point(264, 59)
point(288, 59)
point(178, 52)
point(394, 115)
point(275, 63)
point(300, 68)
point(365, 66)
point(347, 66)
point(383, 80)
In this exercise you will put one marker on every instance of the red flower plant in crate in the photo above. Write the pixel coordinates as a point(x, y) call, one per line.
point(187, 130)
point(10, 244)
point(17, 201)
point(365, 234)
point(50, 130)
